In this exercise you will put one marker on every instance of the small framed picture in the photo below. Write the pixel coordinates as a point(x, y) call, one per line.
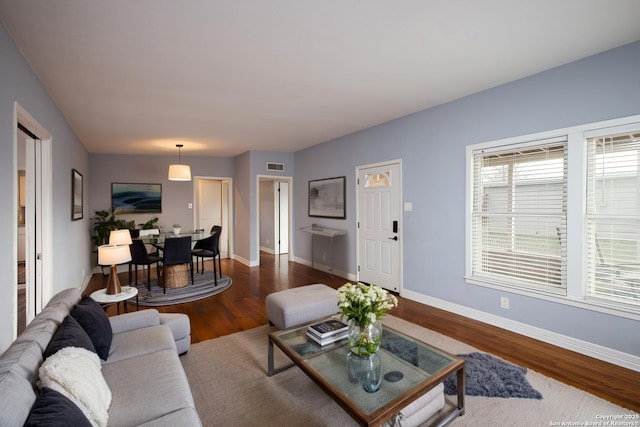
point(327, 198)
point(77, 203)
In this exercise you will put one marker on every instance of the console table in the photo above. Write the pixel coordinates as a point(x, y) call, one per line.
point(316, 230)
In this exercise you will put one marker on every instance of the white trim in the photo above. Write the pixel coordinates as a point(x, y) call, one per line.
point(288, 179)
point(223, 179)
point(596, 351)
point(326, 268)
point(244, 261)
point(20, 115)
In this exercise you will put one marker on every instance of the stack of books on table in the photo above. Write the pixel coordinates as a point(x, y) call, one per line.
point(328, 331)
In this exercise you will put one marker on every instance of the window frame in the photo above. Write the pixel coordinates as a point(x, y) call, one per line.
point(576, 288)
point(536, 284)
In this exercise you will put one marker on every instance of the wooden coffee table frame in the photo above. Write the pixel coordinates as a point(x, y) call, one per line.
point(386, 411)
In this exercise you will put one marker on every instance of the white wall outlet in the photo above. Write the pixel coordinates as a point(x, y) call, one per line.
point(190, 205)
point(504, 303)
point(408, 206)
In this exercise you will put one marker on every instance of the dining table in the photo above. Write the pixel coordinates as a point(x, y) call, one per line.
point(179, 278)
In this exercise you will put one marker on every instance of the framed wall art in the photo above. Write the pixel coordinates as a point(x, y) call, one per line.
point(327, 198)
point(77, 203)
point(136, 198)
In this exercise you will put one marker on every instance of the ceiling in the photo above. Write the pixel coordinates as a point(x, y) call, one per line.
point(226, 76)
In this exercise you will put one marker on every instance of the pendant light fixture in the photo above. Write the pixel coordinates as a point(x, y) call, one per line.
point(179, 172)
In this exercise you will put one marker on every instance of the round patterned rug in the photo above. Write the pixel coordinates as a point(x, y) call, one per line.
point(203, 287)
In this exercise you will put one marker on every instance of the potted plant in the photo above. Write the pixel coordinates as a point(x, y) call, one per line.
point(176, 229)
point(105, 222)
point(151, 224)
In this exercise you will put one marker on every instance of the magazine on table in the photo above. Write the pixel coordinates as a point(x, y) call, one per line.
point(328, 340)
point(328, 328)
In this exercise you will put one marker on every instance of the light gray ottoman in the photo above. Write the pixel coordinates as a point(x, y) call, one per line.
point(180, 328)
point(295, 306)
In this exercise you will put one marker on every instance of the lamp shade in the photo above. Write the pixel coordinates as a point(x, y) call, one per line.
point(120, 237)
point(112, 255)
point(179, 173)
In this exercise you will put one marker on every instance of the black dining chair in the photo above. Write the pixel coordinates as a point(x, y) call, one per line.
point(177, 251)
point(209, 248)
point(140, 256)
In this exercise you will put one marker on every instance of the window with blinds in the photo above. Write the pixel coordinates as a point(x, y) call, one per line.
point(613, 219)
point(519, 215)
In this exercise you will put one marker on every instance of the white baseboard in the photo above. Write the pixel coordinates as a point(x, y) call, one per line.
point(245, 261)
point(596, 351)
point(326, 268)
point(267, 250)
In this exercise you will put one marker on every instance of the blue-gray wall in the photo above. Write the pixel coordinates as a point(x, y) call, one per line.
point(19, 84)
point(108, 168)
point(432, 145)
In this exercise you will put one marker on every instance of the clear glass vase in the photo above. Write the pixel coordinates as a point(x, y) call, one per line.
point(364, 340)
point(366, 370)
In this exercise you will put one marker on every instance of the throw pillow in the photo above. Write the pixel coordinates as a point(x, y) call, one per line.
point(69, 334)
point(52, 409)
point(76, 373)
point(91, 316)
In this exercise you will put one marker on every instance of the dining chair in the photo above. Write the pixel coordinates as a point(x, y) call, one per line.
point(140, 256)
point(177, 251)
point(209, 248)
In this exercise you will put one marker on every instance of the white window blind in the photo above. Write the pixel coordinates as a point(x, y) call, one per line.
point(519, 215)
point(613, 219)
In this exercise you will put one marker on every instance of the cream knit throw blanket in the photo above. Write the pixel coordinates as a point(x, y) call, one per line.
point(76, 373)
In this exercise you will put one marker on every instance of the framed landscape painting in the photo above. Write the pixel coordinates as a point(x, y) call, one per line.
point(136, 198)
point(327, 198)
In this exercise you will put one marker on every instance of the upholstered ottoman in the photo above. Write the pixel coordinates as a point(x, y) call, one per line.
point(180, 328)
point(295, 306)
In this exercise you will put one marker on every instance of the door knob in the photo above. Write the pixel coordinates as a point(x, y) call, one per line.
point(394, 238)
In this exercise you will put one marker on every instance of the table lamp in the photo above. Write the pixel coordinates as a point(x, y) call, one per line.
point(116, 252)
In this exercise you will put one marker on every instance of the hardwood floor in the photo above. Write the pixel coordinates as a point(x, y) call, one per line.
point(242, 307)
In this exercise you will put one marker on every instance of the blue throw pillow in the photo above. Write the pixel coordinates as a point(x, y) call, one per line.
point(69, 334)
point(52, 409)
point(91, 316)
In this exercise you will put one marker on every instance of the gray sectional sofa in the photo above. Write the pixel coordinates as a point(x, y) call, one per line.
point(142, 369)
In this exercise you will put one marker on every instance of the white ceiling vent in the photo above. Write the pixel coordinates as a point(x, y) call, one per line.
point(275, 167)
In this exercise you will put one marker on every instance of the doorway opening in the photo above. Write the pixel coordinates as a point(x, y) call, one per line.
point(274, 215)
point(33, 213)
point(213, 201)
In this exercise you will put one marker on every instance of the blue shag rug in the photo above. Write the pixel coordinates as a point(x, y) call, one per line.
point(488, 376)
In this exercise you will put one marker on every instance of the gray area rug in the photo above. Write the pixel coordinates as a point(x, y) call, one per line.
point(486, 375)
point(203, 287)
point(228, 378)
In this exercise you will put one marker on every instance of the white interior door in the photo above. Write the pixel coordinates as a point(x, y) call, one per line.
point(379, 189)
point(212, 209)
point(35, 145)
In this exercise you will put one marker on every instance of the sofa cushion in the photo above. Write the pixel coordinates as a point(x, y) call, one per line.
point(165, 389)
point(69, 334)
point(52, 409)
point(91, 316)
point(76, 373)
point(140, 342)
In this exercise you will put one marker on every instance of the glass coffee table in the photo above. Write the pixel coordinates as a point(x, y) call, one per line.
point(423, 367)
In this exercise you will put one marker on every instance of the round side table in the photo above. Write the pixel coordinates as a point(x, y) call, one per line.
point(128, 292)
